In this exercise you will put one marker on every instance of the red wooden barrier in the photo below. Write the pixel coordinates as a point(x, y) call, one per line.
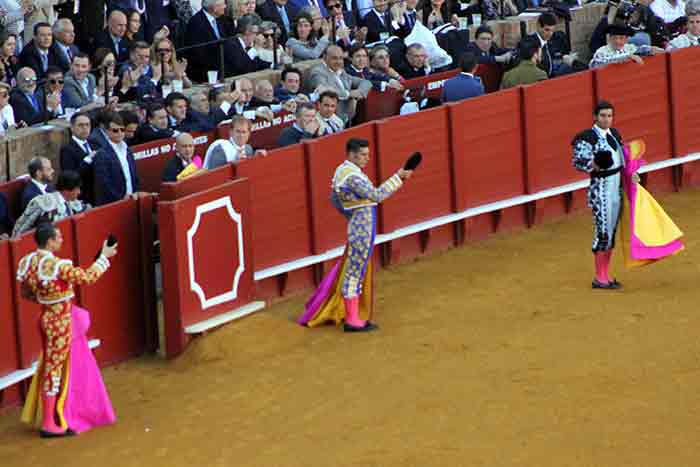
point(27, 312)
point(9, 358)
point(554, 111)
point(325, 154)
point(380, 105)
point(206, 257)
point(685, 106)
point(640, 94)
point(281, 213)
point(170, 191)
point(264, 134)
point(13, 192)
point(429, 194)
point(152, 157)
point(487, 143)
point(116, 301)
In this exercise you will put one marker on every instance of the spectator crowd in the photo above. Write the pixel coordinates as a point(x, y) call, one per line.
point(126, 72)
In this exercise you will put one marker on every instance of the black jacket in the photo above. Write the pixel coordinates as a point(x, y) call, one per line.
point(73, 158)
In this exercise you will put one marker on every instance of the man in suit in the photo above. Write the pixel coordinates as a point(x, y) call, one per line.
point(38, 54)
point(209, 24)
point(527, 71)
point(51, 95)
point(279, 13)
point(78, 154)
point(346, 32)
point(80, 84)
point(156, 126)
point(298, 5)
point(27, 108)
point(6, 220)
point(179, 119)
point(40, 176)
point(88, 18)
point(98, 138)
point(184, 150)
point(245, 57)
point(557, 59)
point(306, 126)
point(331, 74)
point(112, 37)
point(329, 122)
point(484, 48)
point(416, 64)
point(378, 22)
point(465, 84)
point(64, 43)
point(290, 86)
point(115, 168)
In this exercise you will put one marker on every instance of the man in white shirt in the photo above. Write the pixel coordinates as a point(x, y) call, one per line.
point(329, 122)
point(115, 168)
point(668, 10)
point(692, 37)
point(233, 149)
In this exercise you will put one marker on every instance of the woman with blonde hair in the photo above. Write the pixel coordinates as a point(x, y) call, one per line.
point(264, 44)
point(163, 51)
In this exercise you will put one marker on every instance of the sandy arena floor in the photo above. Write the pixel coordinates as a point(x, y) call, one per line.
point(496, 354)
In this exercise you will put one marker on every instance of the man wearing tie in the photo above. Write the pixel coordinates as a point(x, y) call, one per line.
point(208, 25)
point(329, 122)
point(77, 155)
point(113, 38)
point(63, 43)
point(557, 59)
point(378, 22)
point(279, 13)
point(38, 54)
point(26, 106)
point(52, 207)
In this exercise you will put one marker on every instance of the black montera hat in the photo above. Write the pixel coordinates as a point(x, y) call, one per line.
point(618, 30)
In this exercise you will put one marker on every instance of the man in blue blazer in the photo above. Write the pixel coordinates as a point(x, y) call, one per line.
point(114, 165)
point(40, 175)
point(465, 84)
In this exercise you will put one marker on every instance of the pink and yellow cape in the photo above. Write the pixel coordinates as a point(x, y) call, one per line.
point(648, 233)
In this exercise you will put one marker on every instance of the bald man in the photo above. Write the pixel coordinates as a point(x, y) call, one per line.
point(113, 38)
point(184, 150)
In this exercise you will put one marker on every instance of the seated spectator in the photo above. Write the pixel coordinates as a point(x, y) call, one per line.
point(527, 71)
point(416, 64)
point(233, 149)
point(245, 57)
point(649, 29)
point(359, 67)
point(465, 84)
point(51, 95)
point(328, 121)
point(64, 43)
point(26, 106)
point(145, 77)
point(265, 97)
point(134, 25)
point(240, 102)
point(346, 32)
point(305, 127)
point(155, 127)
point(7, 115)
point(112, 38)
point(484, 48)
point(436, 13)
point(331, 74)
point(40, 176)
point(290, 86)
point(208, 25)
point(265, 42)
point(123, 89)
point(115, 168)
point(52, 207)
point(380, 63)
point(131, 123)
point(199, 107)
point(180, 119)
point(668, 10)
point(81, 87)
point(78, 155)
point(379, 22)
point(38, 54)
point(184, 150)
point(278, 12)
point(557, 59)
point(174, 69)
point(618, 50)
point(9, 63)
point(15, 12)
point(304, 44)
point(692, 37)
point(7, 223)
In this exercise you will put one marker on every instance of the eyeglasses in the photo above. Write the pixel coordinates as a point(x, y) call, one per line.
point(29, 80)
point(268, 35)
point(116, 130)
point(56, 81)
point(163, 51)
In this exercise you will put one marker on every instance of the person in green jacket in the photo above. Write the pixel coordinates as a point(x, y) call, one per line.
point(527, 71)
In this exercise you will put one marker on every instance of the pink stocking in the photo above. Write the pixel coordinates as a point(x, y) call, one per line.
point(601, 271)
point(352, 312)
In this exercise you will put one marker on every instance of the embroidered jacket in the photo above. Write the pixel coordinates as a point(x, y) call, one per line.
point(352, 189)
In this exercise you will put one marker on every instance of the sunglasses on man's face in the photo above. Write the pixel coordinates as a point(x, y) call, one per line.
point(268, 35)
point(29, 80)
point(56, 81)
point(116, 130)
